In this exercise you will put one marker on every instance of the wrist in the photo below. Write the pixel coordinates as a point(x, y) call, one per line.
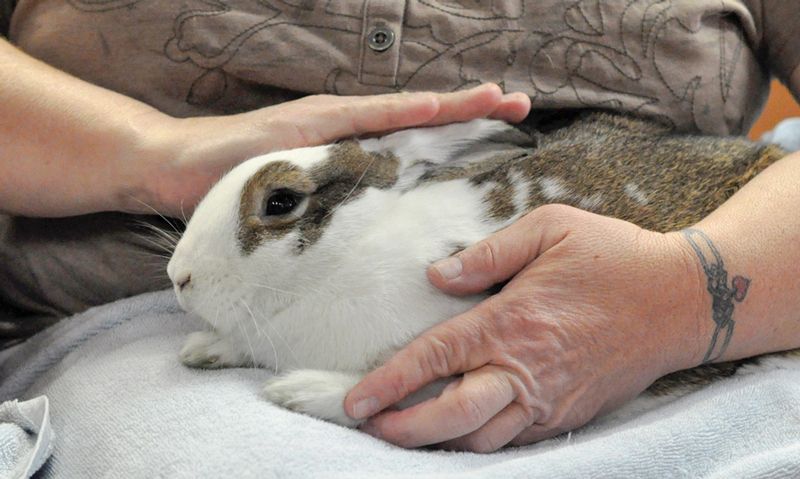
point(147, 148)
point(687, 305)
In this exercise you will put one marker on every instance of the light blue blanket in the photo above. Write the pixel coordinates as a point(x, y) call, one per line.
point(123, 406)
point(26, 438)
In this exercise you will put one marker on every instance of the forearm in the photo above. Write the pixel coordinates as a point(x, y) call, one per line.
point(66, 146)
point(757, 234)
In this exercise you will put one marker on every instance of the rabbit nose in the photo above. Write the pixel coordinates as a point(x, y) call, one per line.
point(183, 281)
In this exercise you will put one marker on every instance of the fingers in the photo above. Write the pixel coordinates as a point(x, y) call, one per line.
point(461, 409)
point(341, 117)
point(503, 254)
point(449, 348)
point(513, 108)
point(485, 100)
point(324, 118)
point(409, 109)
point(536, 433)
point(349, 116)
point(502, 429)
point(461, 344)
point(478, 102)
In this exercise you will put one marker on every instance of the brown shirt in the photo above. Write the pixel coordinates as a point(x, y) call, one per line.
point(701, 64)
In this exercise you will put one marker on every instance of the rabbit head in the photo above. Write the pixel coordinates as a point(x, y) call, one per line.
point(334, 237)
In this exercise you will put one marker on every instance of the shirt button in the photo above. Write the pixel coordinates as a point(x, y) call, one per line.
point(380, 39)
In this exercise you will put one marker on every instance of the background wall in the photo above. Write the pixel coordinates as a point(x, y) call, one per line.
point(780, 105)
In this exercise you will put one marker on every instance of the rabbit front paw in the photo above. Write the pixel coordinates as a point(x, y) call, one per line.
point(316, 393)
point(209, 350)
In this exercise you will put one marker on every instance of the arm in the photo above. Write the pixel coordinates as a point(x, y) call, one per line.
point(756, 232)
point(589, 290)
point(63, 143)
point(69, 147)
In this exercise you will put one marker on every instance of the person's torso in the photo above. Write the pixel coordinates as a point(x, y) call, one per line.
point(690, 62)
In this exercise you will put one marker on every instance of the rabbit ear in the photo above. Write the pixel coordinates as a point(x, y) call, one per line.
point(442, 144)
point(349, 164)
point(455, 145)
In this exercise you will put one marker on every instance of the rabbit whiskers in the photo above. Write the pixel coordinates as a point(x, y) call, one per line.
point(247, 339)
point(270, 288)
point(259, 333)
point(164, 218)
point(160, 239)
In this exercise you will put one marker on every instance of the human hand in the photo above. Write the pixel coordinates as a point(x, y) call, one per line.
point(597, 310)
point(186, 156)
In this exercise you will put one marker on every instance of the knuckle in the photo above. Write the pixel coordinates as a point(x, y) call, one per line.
point(512, 317)
point(497, 382)
point(418, 95)
point(526, 415)
point(486, 255)
point(547, 416)
point(471, 411)
point(438, 357)
point(552, 212)
point(383, 100)
point(373, 105)
point(428, 97)
point(455, 345)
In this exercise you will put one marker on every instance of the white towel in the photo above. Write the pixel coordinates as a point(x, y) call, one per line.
point(26, 439)
point(123, 406)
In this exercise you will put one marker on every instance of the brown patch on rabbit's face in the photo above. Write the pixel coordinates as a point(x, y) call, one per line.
point(341, 178)
point(254, 226)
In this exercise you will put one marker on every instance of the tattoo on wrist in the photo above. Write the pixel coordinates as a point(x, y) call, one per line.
point(724, 297)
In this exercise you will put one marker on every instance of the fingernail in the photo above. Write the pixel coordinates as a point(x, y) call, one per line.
point(365, 408)
point(515, 96)
point(449, 268)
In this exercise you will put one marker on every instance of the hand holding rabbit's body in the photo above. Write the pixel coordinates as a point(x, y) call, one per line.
point(312, 261)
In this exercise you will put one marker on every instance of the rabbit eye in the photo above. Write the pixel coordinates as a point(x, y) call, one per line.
point(281, 202)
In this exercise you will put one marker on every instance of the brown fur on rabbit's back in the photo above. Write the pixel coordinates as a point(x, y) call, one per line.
point(635, 170)
point(638, 171)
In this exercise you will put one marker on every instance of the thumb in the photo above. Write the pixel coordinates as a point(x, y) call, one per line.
point(503, 254)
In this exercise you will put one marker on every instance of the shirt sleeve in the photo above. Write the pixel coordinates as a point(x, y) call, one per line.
point(6, 7)
point(778, 22)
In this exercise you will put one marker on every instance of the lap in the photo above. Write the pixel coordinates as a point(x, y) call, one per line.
point(51, 268)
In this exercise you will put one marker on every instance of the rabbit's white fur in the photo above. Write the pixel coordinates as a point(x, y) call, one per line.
point(327, 315)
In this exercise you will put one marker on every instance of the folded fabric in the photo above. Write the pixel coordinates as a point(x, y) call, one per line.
point(26, 439)
point(123, 406)
point(786, 134)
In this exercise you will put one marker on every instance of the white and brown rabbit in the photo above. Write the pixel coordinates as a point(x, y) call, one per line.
point(312, 261)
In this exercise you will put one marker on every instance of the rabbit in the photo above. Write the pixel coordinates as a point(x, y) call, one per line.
point(312, 261)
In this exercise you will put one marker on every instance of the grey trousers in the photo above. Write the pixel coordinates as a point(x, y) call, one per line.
point(51, 268)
